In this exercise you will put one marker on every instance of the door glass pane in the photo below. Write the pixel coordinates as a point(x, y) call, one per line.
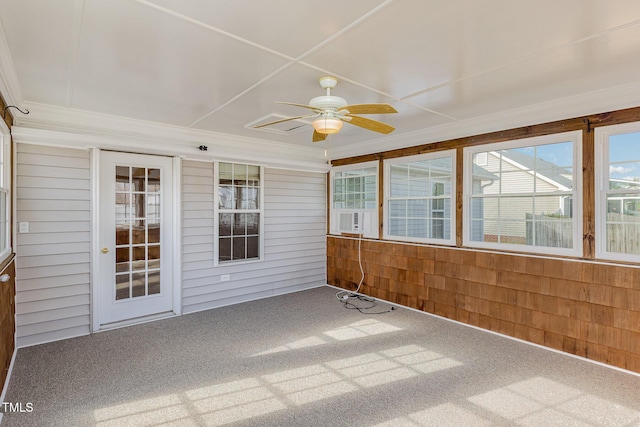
point(153, 206)
point(138, 208)
point(138, 232)
point(154, 181)
point(154, 233)
point(153, 256)
point(138, 284)
point(138, 216)
point(122, 232)
point(122, 178)
point(154, 282)
point(122, 260)
point(122, 286)
point(139, 258)
point(138, 178)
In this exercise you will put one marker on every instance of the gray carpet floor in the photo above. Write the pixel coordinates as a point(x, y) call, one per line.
point(302, 359)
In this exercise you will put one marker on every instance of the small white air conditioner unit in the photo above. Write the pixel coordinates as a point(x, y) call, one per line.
point(350, 222)
point(362, 222)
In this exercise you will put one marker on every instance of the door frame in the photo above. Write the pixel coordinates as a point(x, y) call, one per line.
point(95, 242)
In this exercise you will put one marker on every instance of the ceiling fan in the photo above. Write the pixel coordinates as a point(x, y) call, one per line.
point(331, 111)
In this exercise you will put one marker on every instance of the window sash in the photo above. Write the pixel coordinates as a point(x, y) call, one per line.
point(419, 203)
point(355, 188)
point(520, 200)
point(618, 195)
point(5, 192)
point(239, 216)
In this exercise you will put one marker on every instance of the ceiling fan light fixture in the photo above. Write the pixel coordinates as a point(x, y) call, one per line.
point(327, 125)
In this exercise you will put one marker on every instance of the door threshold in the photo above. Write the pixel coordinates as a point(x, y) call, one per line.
point(136, 321)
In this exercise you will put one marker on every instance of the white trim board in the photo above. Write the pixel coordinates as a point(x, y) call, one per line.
point(612, 99)
point(81, 129)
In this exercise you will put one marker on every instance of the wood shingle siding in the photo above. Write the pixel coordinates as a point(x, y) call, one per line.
point(580, 307)
point(53, 194)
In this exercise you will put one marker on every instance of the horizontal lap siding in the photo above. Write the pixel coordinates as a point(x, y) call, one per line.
point(53, 194)
point(294, 240)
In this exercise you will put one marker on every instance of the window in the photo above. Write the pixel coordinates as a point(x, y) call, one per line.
point(239, 212)
point(420, 198)
point(354, 199)
point(519, 195)
point(5, 195)
point(618, 192)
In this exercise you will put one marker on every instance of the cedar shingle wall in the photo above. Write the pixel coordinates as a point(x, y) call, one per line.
point(7, 299)
point(7, 320)
point(580, 307)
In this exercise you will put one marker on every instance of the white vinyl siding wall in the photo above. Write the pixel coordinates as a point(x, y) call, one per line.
point(53, 259)
point(294, 239)
point(53, 194)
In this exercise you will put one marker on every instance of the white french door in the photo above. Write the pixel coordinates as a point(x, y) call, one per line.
point(135, 220)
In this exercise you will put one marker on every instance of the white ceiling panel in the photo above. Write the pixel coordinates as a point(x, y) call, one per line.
point(43, 62)
point(593, 64)
point(159, 68)
point(288, 26)
point(217, 65)
point(417, 44)
point(298, 84)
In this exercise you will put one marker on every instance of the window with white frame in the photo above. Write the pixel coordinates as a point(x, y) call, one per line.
point(618, 192)
point(520, 195)
point(239, 212)
point(354, 199)
point(5, 195)
point(420, 198)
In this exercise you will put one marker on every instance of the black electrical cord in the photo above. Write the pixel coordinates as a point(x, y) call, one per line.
point(349, 305)
point(345, 297)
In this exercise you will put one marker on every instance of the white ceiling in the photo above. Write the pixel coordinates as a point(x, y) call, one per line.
point(450, 67)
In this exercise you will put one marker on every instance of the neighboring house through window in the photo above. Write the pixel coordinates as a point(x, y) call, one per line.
point(522, 196)
point(617, 153)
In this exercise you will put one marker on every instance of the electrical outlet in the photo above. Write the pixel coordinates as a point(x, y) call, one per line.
point(225, 277)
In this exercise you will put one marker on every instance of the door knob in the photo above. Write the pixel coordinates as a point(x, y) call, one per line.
point(5, 278)
point(105, 250)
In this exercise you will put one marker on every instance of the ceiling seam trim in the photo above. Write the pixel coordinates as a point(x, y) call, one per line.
point(524, 58)
point(345, 30)
point(214, 29)
point(244, 92)
point(291, 59)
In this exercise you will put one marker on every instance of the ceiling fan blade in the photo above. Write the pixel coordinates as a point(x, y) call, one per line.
point(283, 120)
point(369, 109)
point(318, 110)
point(370, 124)
point(317, 136)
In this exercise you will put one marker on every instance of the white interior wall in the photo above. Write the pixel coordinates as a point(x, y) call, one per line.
point(53, 259)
